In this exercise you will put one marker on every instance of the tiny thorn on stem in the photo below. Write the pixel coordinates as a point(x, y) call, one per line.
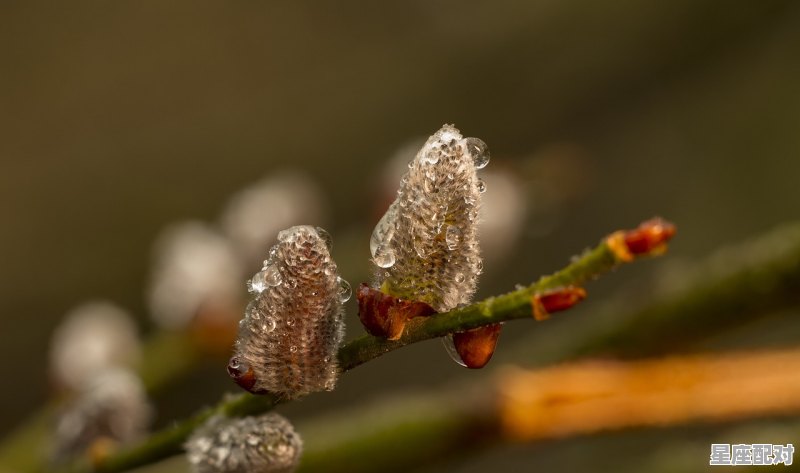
point(476, 346)
point(386, 316)
point(648, 239)
point(546, 303)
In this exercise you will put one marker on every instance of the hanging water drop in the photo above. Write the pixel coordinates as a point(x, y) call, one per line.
point(479, 152)
point(384, 230)
point(481, 186)
point(345, 291)
point(450, 347)
point(459, 278)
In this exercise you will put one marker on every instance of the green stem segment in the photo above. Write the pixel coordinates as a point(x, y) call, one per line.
point(510, 306)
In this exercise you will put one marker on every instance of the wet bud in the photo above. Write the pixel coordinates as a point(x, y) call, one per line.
point(426, 245)
point(262, 444)
point(93, 337)
point(292, 329)
point(556, 300)
point(650, 238)
point(111, 410)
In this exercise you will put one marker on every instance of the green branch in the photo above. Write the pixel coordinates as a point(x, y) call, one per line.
point(510, 306)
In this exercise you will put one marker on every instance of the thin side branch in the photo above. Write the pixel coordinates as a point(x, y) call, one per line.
point(513, 305)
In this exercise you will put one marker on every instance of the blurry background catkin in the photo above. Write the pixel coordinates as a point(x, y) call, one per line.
point(119, 119)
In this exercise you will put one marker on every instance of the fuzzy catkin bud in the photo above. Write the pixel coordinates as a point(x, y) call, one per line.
point(111, 408)
point(292, 329)
point(426, 245)
point(94, 337)
point(195, 268)
point(263, 444)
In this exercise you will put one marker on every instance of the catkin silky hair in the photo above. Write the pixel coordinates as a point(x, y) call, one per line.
point(294, 325)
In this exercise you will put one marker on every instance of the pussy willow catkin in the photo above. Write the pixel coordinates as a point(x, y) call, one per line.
point(426, 245)
point(262, 444)
point(294, 325)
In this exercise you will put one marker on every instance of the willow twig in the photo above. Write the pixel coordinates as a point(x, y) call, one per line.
point(514, 305)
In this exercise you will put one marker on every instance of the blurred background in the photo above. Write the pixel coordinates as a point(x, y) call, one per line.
point(119, 119)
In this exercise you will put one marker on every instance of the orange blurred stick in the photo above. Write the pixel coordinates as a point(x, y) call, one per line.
point(593, 396)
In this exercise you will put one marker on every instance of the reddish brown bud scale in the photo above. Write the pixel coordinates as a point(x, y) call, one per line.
point(546, 303)
point(243, 375)
point(476, 346)
point(385, 316)
point(649, 238)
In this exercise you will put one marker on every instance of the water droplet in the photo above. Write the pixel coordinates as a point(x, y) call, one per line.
point(429, 186)
point(257, 283)
point(327, 359)
point(325, 236)
point(345, 291)
point(452, 237)
point(450, 347)
point(269, 276)
point(289, 322)
point(268, 325)
point(420, 247)
point(272, 275)
point(481, 186)
point(431, 157)
point(479, 266)
point(459, 277)
point(286, 236)
point(384, 256)
point(293, 348)
point(251, 311)
point(479, 152)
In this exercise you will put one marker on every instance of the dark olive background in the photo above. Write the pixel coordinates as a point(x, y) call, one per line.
point(117, 118)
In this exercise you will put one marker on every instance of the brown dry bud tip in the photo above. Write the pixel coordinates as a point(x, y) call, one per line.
point(556, 300)
point(475, 347)
point(386, 316)
point(263, 444)
point(292, 329)
point(650, 238)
